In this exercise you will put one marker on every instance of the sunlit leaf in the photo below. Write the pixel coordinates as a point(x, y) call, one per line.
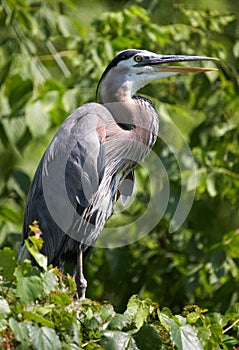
point(29, 283)
point(118, 322)
point(21, 332)
point(211, 184)
point(4, 308)
point(184, 336)
point(37, 119)
point(114, 340)
point(138, 310)
point(38, 319)
point(40, 258)
point(65, 26)
point(70, 100)
point(50, 282)
point(44, 338)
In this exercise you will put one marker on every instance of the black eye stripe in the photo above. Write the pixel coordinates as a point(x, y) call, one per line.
point(125, 55)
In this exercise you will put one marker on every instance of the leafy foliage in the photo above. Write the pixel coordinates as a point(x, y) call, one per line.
point(38, 310)
point(50, 66)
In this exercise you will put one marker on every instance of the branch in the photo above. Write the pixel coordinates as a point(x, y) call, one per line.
point(231, 326)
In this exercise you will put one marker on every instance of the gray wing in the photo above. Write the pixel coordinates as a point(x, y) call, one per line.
point(67, 177)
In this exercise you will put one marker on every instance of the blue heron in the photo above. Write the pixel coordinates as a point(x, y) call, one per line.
point(90, 161)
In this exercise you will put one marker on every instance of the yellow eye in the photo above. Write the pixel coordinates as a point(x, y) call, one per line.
point(138, 58)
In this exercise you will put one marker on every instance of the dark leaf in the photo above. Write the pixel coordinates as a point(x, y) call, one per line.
point(115, 340)
point(147, 338)
point(7, 262)
point(4, 71)
point(9, 214)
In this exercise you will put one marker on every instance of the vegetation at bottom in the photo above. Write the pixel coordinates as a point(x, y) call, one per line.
point(51, 61)
point(39, 310)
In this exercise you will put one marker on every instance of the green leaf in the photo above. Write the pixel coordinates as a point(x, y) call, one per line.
point(9, 214)
point(236, 49)
point(50, 282)
point(21, 332)
point(138, 310)
point(65, 26)
point(44, 338)
point(185, 120)
point(115, 340)
point(7, 262)
point(3, 325)
point(106, 312)
point(38, 319)
point(204, 333)
point(148, 338)
point(45, 309)
point(192, 317)
point(166, 311)
point(40, 258)
point(24, 140)
point(229, 342)
point(37, 119)
point(4, 308)
point(29, 283)
point(18, 90)
point(4, 71)
point(15, 128)
point(216, 333)
point(3, 135)
point(231, 243)
point(118, 322)
point(184, 336)
point(61, 299)
point(70, 100)
point(211, 184)
point(20, 181)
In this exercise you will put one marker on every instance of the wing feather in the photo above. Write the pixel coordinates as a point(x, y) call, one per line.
point(67, 177)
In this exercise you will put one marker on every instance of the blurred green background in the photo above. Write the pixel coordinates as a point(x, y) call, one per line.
point(52, 54)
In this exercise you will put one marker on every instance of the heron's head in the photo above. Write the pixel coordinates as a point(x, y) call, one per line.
point(132, 69)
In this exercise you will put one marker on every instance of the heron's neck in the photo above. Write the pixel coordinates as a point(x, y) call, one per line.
point(112, 92)
point(137, 114)
point(120, 86)
point(130, 112)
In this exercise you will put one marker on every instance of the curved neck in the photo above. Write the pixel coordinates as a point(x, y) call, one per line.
point(112, 92)
point(120, 86)
point(138, 115)
point(132, 113)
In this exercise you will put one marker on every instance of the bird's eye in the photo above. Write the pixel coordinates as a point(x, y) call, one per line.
point(138, 58)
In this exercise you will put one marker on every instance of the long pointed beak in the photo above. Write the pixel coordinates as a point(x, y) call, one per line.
point(162, 59)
